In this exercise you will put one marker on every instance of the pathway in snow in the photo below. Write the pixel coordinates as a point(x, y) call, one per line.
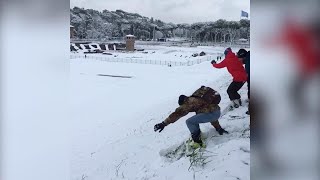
point(117, 76)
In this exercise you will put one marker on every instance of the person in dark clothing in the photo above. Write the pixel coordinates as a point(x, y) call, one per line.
point(233, 89)
point(244, 56)
point(204, 102)
point(236, 69)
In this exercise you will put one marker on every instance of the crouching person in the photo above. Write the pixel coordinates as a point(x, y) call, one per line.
point(204, 102)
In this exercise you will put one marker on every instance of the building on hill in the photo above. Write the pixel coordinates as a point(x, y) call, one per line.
point(162, 40)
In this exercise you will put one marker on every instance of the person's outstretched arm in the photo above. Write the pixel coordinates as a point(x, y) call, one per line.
point(222, 64)
point(173, 117)
point(177, 114)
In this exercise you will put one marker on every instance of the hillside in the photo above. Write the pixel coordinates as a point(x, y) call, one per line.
point(93, 24)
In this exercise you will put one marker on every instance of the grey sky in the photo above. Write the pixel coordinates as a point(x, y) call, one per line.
point(176, 11)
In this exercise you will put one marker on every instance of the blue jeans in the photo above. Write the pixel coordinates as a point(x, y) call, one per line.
point(194, 121)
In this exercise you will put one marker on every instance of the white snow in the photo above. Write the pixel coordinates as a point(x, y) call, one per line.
point(93, 48)
point(74, 46)
point(169, 54)
point(83, 47)
point(113, 121)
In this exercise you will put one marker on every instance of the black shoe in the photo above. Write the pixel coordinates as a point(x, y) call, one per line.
point(236, 103)
point(196, 137)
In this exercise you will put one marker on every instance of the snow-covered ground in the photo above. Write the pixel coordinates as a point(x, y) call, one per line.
point(113, 121)
point(157, 55)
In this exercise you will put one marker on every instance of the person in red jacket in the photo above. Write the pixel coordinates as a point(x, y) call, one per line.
point(236, 69)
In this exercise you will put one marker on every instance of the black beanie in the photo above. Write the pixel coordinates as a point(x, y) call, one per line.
point(241, 53)
point(182, 98)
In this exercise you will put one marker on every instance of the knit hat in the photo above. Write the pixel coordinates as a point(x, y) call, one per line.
point(227, 51)
point(182, 98)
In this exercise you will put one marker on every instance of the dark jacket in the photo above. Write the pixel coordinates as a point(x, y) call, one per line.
point(193, 104)
point(246, 61)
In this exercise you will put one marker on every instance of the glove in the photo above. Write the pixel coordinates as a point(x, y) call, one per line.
point(213, 62)
point(221, 131)
point(159, 126)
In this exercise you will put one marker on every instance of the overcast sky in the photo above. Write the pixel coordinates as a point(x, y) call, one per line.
point(176, 11)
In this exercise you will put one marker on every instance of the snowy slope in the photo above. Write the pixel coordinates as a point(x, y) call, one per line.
point(113, 120)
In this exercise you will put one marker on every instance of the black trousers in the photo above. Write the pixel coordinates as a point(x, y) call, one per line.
point(233, 89)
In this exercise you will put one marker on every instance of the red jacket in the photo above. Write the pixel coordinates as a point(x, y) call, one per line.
point(302, 41)
point(234, 66)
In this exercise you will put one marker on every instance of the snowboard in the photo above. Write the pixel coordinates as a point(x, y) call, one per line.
point(183, 149)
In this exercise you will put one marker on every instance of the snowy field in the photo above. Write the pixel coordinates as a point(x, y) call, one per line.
point(162, 53)
point(113, 119)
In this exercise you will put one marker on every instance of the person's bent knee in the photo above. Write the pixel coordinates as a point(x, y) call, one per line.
point(189, 121)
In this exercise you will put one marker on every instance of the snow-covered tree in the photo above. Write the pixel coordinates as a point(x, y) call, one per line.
point(91, 23)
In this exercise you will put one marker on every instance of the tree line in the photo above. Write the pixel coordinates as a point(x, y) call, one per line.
point(93, 24)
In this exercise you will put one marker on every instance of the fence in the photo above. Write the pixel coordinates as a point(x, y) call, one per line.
point(144, 61)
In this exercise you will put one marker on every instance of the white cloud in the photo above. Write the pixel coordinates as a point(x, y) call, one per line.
point(177, 11)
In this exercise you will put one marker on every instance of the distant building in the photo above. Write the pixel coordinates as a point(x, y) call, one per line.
point(130, 40)
point(242, 41)
point(72, 32)
point(162, 39)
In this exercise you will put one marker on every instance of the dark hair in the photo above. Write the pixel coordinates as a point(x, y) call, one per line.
point(182, 98)
point(242, 53)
